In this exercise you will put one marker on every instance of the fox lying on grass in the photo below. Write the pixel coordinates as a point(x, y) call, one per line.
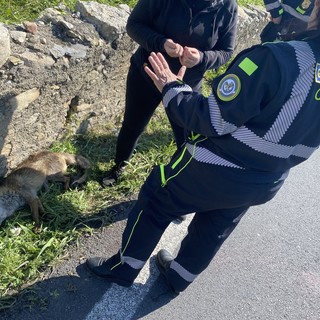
point(21, 186)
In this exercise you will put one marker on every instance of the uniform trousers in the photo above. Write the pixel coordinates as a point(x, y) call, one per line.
point(218, 196)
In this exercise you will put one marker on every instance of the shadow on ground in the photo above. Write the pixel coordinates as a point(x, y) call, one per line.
point(73, 298)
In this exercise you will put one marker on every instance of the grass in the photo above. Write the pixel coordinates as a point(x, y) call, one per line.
point(15, 11)
point(25, 255)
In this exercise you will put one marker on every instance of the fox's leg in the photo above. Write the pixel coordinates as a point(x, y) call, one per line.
point(79, 161)
point(81, 180)
point(60, 177)
point(36, 207)
point(85, 165)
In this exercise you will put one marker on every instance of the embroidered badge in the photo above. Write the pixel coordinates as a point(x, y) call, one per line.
point(317, 73)
point(305, 4)
point(229, 87)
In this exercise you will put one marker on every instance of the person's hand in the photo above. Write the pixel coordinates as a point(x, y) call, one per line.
point(174, 50)
point(161, 74)
point(190, 57)
point(314, 22)
point(276, 20)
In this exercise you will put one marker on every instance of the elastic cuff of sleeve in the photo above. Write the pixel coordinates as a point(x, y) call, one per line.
point(275, 13)
point(177, 83)
point(172, 89)
point(161, 46)
point(201, 57)
point(200, 65)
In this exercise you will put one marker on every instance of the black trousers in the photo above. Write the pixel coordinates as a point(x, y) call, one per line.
point(219, 197)
point(142, 99)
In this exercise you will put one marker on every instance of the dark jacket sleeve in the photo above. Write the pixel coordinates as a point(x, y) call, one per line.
point(224, 48)
point(216, 116)
point(139, 25)
point(273, 7)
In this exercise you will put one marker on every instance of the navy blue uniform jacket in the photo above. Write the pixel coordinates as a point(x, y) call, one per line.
point(262, 115)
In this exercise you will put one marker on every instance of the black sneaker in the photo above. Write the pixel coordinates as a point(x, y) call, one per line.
point(163, 261)
point(112, 176)
point(101, 267)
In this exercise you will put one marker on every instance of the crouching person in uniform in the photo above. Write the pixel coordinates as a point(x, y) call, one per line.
point(287, 17)
point(261, 119)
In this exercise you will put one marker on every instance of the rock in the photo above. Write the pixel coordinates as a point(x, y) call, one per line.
point(251, 21)
point(36, 59)
point(30, 27)
point(75, 51)
point(18, 36)
point(6, 150)
point(21, 101)
point(51, 15)
point(15, 60)
point(4, 44)
point(125, 7)
point(109, 21)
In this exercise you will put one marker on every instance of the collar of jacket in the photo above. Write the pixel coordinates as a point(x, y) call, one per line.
point(211, 4)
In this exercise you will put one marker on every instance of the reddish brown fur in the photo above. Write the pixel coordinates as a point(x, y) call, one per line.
point(34, 173)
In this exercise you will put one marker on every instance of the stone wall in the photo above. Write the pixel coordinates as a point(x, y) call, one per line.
point(68, 70)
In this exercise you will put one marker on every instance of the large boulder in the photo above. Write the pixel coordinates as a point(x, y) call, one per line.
point(251, 21)
point(109, 21)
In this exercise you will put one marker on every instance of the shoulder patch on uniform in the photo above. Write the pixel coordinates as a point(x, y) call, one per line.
point(317, 73)
point(248, 66)
point(228, 87)
point(306, 4)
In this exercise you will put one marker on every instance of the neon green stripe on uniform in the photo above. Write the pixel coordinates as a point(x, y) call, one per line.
point(163, 177)
point(248, 66)
point(125, 248)
point(179, 159)
point(194, 136)
point(122, 252)
point(300, 10)
point(281, 11)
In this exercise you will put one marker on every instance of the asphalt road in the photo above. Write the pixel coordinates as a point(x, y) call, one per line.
point(268, 269)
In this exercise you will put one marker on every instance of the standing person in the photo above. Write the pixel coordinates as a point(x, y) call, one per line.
point(261, 119)
point(199, 34)
point(287, 17)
